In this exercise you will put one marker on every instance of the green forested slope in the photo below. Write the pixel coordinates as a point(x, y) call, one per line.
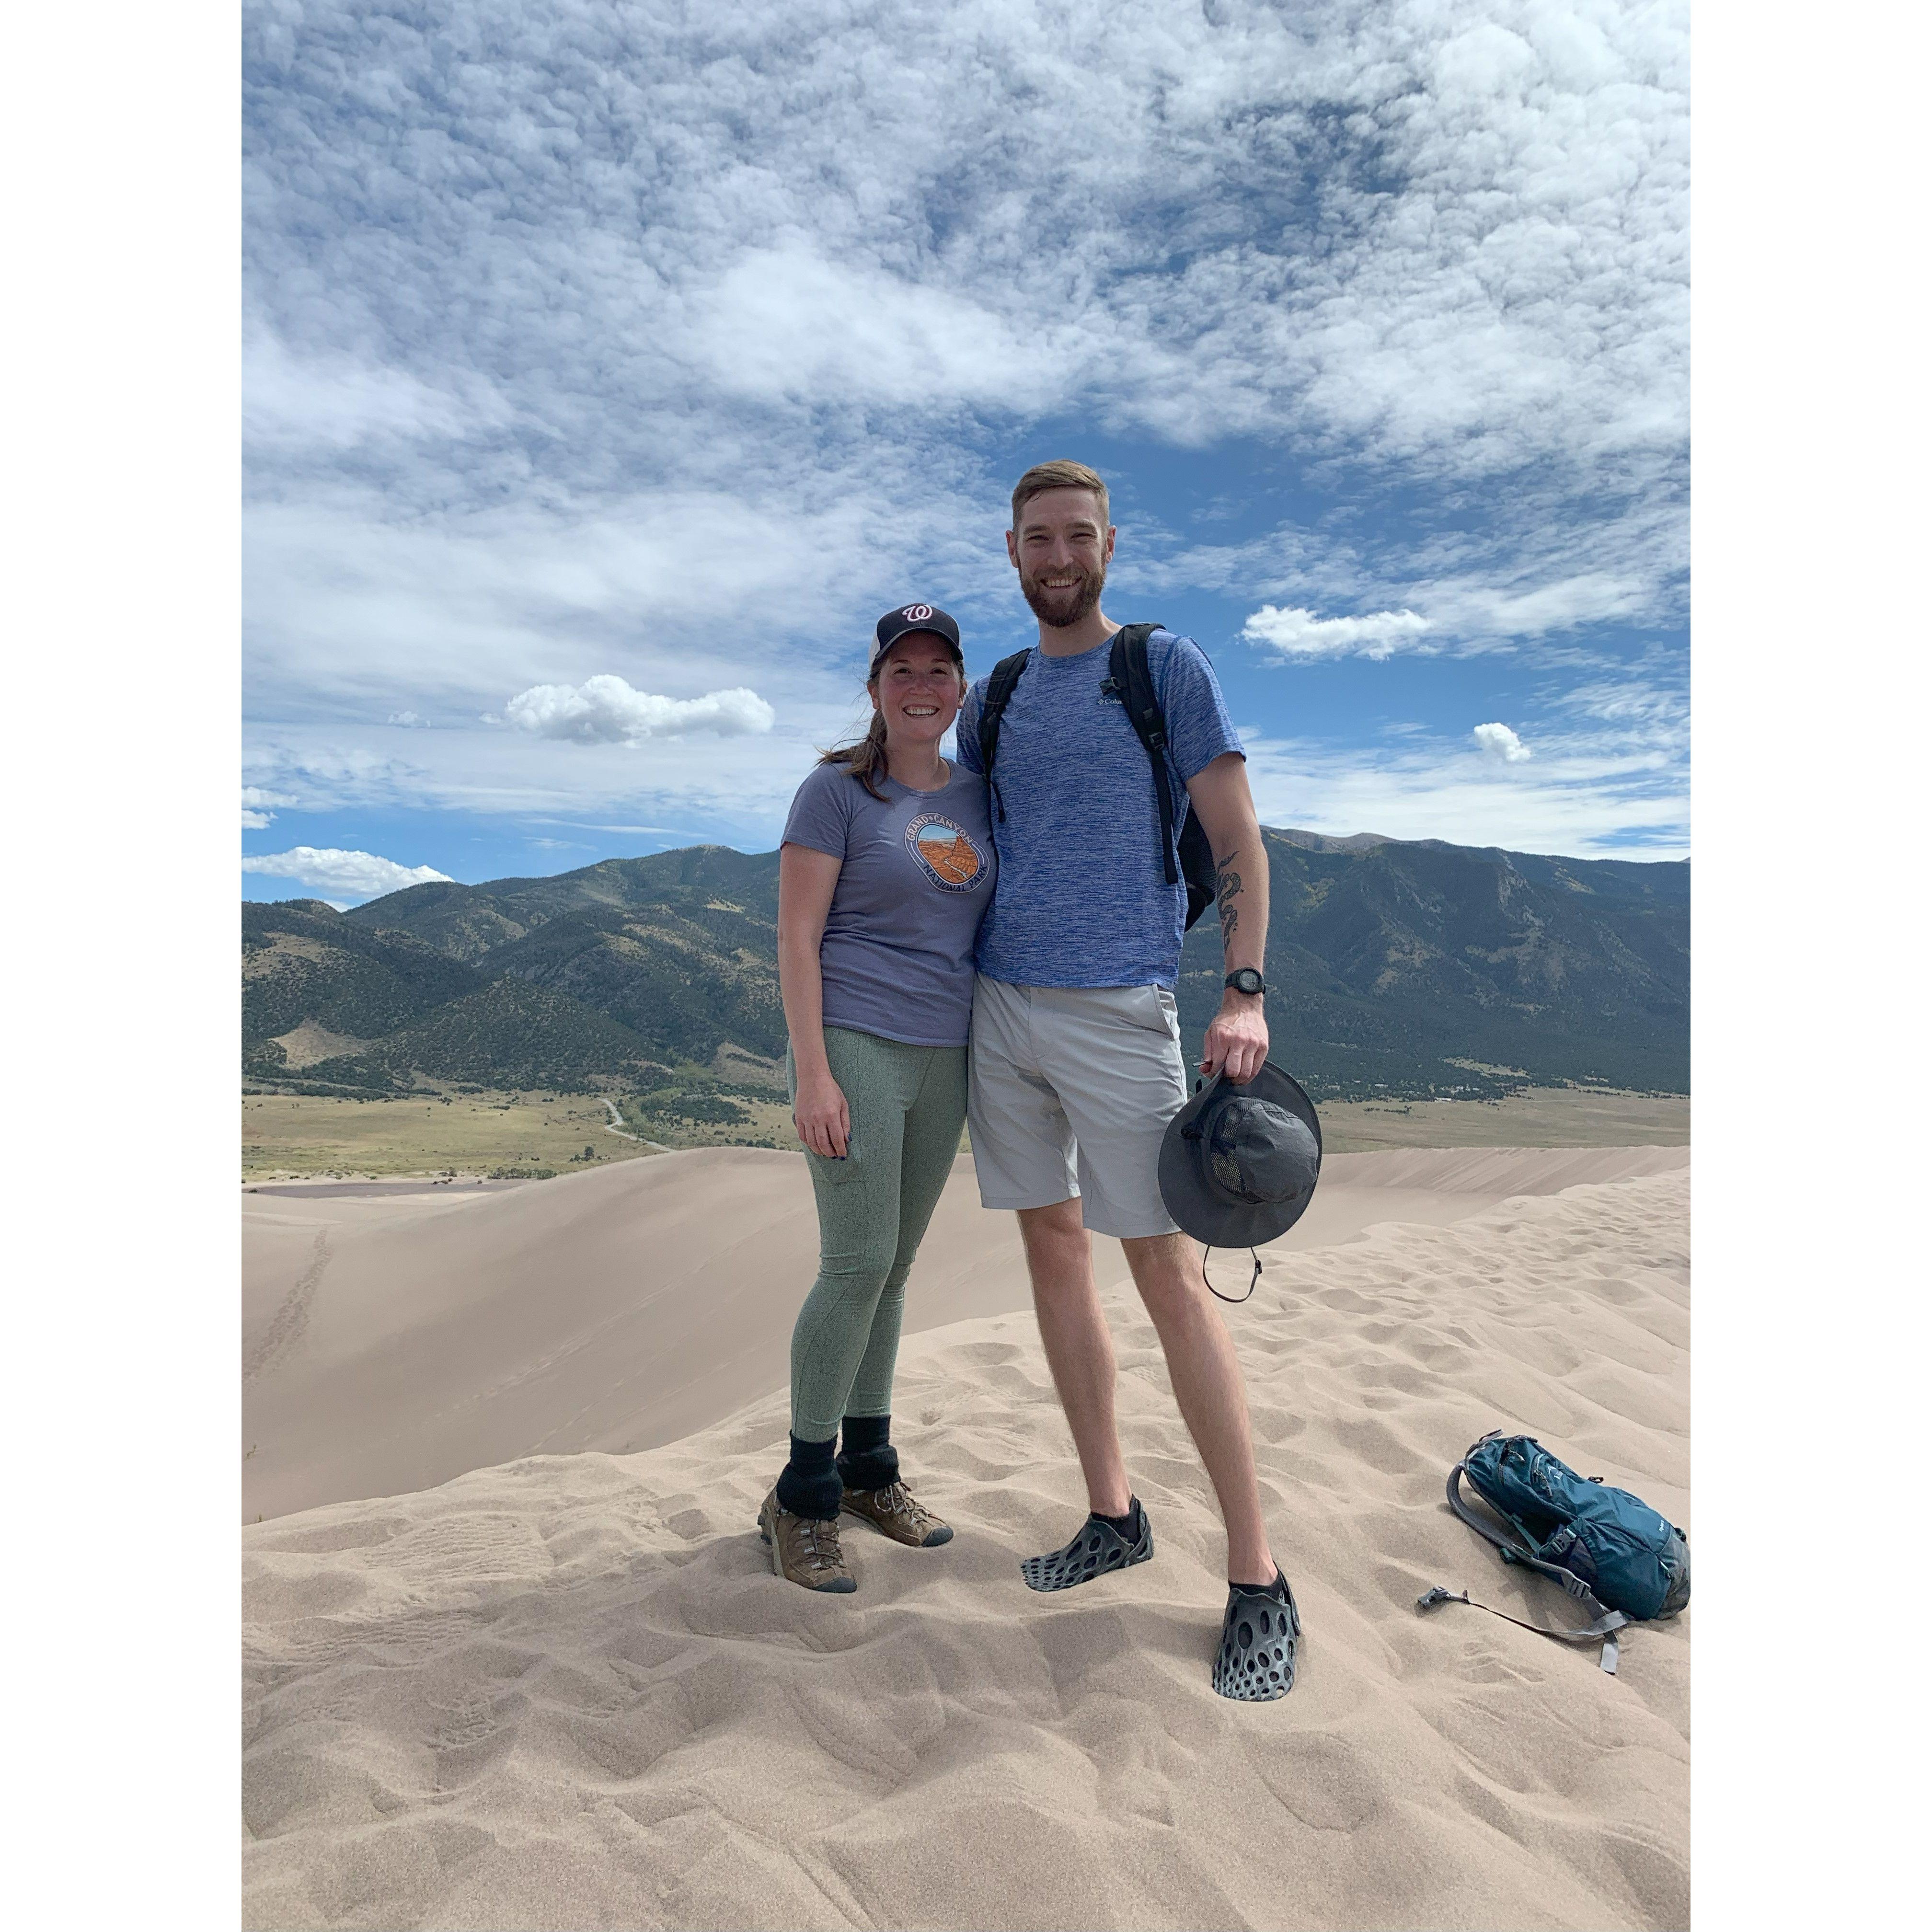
point(1386, 965)
point(507, 1034)
point(1391, 963)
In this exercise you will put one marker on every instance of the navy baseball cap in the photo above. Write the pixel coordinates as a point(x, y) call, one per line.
point(910, 617)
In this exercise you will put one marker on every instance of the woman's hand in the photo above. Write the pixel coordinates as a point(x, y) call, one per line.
point(820, 1115)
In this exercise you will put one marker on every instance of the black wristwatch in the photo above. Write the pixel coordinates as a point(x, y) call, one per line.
point(1245, 979)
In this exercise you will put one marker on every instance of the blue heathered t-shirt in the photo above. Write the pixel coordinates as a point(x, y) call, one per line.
point(1082, 899)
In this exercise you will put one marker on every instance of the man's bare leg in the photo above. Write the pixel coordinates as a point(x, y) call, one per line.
point(1079, 1350)
point(1207, 1385)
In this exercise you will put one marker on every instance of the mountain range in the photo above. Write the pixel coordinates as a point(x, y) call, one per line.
point(1398, 967)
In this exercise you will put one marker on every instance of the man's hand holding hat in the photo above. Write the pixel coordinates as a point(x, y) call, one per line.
point(1236, 1042)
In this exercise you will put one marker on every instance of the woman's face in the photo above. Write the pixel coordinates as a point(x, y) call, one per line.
point(918, 689)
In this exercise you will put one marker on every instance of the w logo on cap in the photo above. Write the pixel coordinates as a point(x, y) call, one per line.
point(917, 612)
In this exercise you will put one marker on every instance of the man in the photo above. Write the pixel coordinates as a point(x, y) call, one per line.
point(1076, 1065)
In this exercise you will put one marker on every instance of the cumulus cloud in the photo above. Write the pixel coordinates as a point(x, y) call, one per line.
point(1294, 634)
point(256, 814)
point(1499, 742)
point(350, 875)
point(605, 710)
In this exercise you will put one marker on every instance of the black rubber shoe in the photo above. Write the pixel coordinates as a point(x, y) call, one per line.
point(1259, 1635)
point(1098, 1549)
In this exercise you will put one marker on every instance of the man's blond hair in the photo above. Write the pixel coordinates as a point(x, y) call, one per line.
point(1062, 473)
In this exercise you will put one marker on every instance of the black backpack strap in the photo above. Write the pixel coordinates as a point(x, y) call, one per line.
point(999, 693)
point(1604, 1622)
point(1129, 678)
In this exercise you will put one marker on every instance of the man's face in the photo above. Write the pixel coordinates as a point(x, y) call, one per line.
point(1061, 550)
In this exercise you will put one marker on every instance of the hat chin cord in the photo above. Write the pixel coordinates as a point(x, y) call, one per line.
point(1233, 1301)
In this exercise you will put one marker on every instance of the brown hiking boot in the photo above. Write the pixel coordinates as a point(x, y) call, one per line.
point(892, 1511)
point(803, 1551)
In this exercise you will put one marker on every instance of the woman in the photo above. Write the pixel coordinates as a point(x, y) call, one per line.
point(886, 869)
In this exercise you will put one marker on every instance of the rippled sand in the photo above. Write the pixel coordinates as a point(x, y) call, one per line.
point(568, 1691)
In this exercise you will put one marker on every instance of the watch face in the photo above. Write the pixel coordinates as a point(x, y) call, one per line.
point(1247, 980)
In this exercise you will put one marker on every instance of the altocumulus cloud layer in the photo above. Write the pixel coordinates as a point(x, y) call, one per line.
point(610, 366)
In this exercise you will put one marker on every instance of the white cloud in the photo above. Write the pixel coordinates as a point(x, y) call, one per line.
point(1498, 742)
point(409, 720)
point(348, 609)
point(1445, 236)
point(1473, 609)
point(605, 710)
point(1598, 797)
point(1298, 634)
point(692, 788)
point(786, 323)
point(255, 817)
point(743, 339)
point(338, 402)
point(352, 875)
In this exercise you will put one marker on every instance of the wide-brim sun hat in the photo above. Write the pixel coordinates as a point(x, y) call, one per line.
point(906, 620)
point(1239, 1164)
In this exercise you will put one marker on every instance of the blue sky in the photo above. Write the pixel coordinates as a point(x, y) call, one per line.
point(665, 346)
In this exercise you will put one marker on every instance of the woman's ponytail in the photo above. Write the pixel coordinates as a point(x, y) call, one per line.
point(866, 760)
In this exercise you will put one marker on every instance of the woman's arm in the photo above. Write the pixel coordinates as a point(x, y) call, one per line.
point(806, 879)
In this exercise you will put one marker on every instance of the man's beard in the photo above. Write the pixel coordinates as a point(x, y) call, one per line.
point(1059, 610)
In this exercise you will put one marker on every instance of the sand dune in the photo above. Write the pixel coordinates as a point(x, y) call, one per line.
point(392, 1341)
point(568, 1692)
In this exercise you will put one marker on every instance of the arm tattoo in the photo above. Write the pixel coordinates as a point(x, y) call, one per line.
point(1227, 887)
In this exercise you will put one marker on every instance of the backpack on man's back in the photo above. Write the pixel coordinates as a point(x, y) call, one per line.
point(1130, 680)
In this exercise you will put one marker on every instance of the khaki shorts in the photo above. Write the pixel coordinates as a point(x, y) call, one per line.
point(1070, 1092)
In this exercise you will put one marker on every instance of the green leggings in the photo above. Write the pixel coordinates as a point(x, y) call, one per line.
point(908, 1105)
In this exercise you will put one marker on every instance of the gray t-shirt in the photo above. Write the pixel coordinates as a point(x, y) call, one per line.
point(1083, 898)
point(917, 876)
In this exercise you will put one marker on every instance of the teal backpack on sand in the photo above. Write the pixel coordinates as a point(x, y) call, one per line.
point(1610, 1551)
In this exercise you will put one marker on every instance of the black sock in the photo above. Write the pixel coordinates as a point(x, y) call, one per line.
point(1130, 1525)
point(808, 1485)
point(1276, 1587)
point(866, 1459)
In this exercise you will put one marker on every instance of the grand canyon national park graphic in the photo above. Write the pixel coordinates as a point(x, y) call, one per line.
point(949, 858)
